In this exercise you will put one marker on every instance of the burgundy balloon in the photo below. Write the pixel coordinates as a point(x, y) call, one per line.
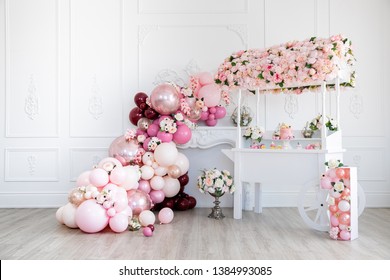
point(135, 114)
point(140, 98)
point(143, 106)
point(183, 179)
point(151, 227)
point(151, 114)
point(191, 202)
point(182, 204)
point(168, 202)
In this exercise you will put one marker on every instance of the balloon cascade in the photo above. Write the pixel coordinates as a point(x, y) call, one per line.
point(145, 172)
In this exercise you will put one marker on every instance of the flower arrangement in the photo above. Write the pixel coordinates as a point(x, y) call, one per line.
point(215, 182)
point(254, 133)
point(316, 123)
point(294, 67)
point(168, 125)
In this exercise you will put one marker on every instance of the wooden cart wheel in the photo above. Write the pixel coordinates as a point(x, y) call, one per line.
point(313, 207)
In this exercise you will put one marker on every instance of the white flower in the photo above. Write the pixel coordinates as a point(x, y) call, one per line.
point(339, 186)
point(179, 117)
point(141, 138)
point(331, 200)
point(219, 183)
point(333, 163)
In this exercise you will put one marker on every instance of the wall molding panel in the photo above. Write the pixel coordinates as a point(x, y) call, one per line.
point(72, 67)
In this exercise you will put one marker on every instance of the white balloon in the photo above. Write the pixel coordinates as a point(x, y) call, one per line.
point(344, 206)
point(171, 186)
point(161, 171)
point(69, 215)
point(133, 175)
point(183, 163)
point(146, 218)
point(166, 154)
point(147, 172)
point(59, 215)
point(157, 183)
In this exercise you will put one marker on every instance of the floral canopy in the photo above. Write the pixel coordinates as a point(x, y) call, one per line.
point(292, 67)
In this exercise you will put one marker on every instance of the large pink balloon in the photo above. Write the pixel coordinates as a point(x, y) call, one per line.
point(211, 94)
point(139, 201)
point(165, 99)
point(121, 147)
point(91, 217)
point(171, 186)
point(119, 222)
point(182, 135)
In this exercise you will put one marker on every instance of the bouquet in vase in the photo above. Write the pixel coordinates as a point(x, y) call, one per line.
point(215, 182)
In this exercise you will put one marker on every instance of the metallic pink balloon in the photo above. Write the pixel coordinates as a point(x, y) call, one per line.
point(165, 99)
point(139, 201)
point(123, 148)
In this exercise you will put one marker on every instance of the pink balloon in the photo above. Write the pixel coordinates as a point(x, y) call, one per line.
point(205, 78)
point(121, 147)
point(334, 221)
point(153, 129)
point(91, 217)
point(326, 183)
point(147, 231)
point(138, 201)
point(118, 175)
point(83, 179)
point(119, 223)
point(345, 235)
point(121, 201)
point(204, 115)
point(345, 219)
point(157, 196)
point(144, 186)
point(165, 99)
point(211, 116)
point(211, 94)
point(211, 122)
point(182, 135)
point(165, 215)
point(165, 136)
point(212, 110)
point(220, 112)
point(98, 177)
point(121, 160)
point(331, 173)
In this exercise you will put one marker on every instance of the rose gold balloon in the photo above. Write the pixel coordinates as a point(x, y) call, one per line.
point(174, 171)
point(76, 197)
point(143, 123)
point(165, 99)
point(139, 201)
point(125, 149)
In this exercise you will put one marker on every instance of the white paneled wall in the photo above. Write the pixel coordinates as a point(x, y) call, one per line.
point(69, 70)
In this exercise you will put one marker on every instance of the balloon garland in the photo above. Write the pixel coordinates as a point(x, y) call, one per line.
point(145, 172)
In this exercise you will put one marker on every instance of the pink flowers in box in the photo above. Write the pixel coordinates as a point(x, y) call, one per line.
point(294, 66)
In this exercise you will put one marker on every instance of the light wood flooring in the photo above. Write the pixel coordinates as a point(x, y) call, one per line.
point(277, 233)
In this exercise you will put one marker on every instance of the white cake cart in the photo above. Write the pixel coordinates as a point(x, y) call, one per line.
point(293, 166)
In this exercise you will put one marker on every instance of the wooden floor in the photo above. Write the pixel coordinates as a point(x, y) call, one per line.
point(277, 233)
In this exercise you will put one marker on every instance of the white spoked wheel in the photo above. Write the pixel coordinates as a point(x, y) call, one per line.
point(312, 206)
